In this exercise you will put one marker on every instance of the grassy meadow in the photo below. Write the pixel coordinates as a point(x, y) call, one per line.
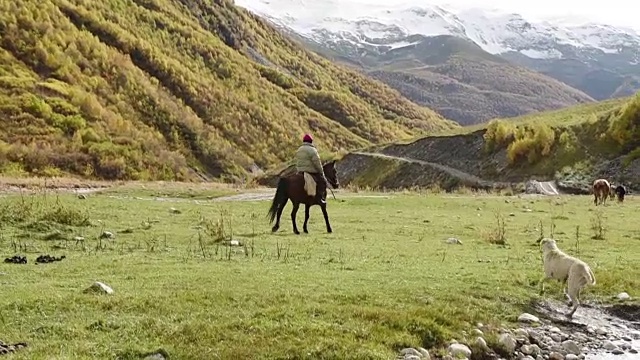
point(385, 279)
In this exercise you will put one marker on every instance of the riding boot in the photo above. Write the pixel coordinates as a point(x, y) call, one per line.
point(321, 191)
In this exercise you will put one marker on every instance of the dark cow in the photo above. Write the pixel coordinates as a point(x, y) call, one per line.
point(620, 191)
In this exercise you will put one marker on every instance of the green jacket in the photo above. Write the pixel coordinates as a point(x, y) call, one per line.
point(308, 159)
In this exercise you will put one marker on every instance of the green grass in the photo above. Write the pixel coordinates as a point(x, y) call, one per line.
point(573, 115)
point(385, 278)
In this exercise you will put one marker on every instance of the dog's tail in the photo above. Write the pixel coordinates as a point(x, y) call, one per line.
point(592, 277)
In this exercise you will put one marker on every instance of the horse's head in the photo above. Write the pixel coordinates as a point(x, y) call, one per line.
point(331, 174)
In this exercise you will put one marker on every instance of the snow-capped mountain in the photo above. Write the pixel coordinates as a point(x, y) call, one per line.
point(496, 32)
point(573, 52)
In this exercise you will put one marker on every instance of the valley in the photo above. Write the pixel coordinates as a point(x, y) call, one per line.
point(142, 141)
point(550, 64)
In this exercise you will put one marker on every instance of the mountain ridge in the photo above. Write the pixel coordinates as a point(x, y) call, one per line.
point(458, 79)
point(539, 45)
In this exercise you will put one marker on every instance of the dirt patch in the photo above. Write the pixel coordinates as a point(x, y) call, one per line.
point(34, 184)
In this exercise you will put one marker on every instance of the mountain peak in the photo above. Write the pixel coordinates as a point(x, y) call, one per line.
point(496, 31)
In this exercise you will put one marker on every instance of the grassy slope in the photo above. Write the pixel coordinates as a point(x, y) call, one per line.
point(383, 280)
point(572, 145)
point(568, 116)
point(465, 83)
point(144, 89)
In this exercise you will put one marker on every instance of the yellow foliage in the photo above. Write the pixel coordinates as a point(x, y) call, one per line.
point(148, 90)
point(532, 142)
point(499, 133)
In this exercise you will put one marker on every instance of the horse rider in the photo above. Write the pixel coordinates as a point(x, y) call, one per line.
point(308, 161)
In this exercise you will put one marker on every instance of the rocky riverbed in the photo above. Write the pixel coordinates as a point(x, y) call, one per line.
point(594, 333)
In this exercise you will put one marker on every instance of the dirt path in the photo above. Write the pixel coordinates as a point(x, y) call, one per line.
point(541, 187)
point(451, 171)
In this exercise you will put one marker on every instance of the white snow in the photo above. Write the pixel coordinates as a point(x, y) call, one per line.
point(495, 31)
point(401, 44)
point(542, 54)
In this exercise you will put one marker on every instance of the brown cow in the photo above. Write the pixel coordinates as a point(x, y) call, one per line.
point(601, 190)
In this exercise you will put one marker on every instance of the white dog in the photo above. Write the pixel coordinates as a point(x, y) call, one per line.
point(572, 272)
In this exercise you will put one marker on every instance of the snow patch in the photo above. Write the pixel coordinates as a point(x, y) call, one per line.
point(542, 54)
point(359, 21)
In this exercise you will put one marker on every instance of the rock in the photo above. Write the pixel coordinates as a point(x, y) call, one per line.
point(106, 235)
point(175, 211)
point(410, 351)
point(453, 240)
point(571, 347)
point(581, 338)
point(535, 336)
point(608, 345)
point(531, 350)
point(156, 356)
point(411, 357)
point(528, 318)
point(160, 354)
point(623, 296)
point(82, 196)
point(556, 356)
point(459, 349)
point(521, 334)
point(572, 357)
point(617, 352)
point(556, 337)
point(99, 287)
point(425, 353)
point(481, 343)
point(528, 358)
point(477, 332)
point(557, 348)
point(601, 331)
point(624, 346)
point(508, 342)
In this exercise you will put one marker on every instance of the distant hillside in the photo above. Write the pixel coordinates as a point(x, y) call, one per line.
point(602, 75)
point(149, 89)
point(458, 79)
point(555, 118)
point(572, 146)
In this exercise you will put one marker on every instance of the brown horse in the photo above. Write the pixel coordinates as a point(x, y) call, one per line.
point(292, 188)
point(601, 190)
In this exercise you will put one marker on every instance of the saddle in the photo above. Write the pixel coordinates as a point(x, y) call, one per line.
point(309, 184)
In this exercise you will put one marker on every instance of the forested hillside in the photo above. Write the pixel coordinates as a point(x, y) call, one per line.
point(149, 89)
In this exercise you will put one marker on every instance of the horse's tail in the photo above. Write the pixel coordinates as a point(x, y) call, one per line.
point(279, 199)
